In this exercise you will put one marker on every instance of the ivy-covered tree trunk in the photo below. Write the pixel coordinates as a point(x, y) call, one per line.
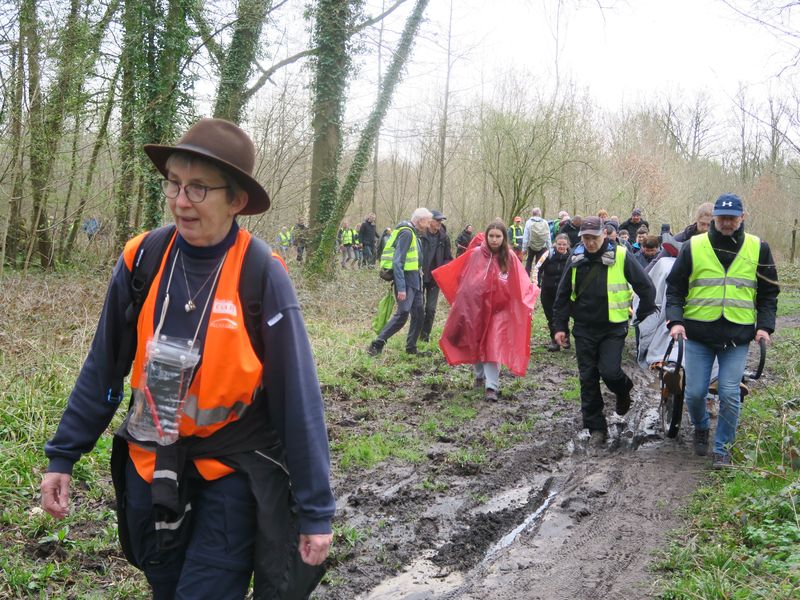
point(14, 230)
point(167, 47)
point(29, 30)
point(332, 23)
point(320, 261)
point(132, 53)
point(238, 60)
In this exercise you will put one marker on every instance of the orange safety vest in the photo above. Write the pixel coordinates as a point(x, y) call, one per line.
point(222, 389)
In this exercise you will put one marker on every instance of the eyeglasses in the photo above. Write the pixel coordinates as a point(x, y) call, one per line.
point(195, 192)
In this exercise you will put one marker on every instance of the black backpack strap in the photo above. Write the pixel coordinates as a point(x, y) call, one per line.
point(143, 271)
point(252, 281)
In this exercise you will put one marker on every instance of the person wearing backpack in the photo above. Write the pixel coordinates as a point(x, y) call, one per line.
point(536, 238)
point(401, 260)
point(222, 465)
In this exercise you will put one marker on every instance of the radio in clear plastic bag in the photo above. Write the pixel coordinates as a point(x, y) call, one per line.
point(159, 397)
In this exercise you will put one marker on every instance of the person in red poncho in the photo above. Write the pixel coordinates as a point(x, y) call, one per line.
point(492, 301)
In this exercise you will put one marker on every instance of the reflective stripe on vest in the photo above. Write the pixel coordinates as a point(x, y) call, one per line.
point(713, 292)
point(222, 389)
point(347, 236)
point(518, 231)
point(412, 256)
point(285, 238)
point(618, 289)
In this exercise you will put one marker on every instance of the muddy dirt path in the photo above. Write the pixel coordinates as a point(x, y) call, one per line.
point(546, 518)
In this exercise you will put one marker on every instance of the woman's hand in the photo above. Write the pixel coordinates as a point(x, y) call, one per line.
point(314, 548)
point(55, 494)
point(560, 338)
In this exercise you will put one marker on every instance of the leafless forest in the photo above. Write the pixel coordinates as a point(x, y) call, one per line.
point(84, 83)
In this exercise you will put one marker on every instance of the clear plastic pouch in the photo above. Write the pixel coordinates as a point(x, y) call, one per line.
point(159, 397)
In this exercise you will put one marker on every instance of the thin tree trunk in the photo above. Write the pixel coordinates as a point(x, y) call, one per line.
point(14, 226)
point(445, 108)
point(319, 260)
point(63, 227)
point(377, 137)
point(87, 183)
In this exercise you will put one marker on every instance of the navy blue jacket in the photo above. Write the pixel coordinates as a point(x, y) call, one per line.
point(290, 376)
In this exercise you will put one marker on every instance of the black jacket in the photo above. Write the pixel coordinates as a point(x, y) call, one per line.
point(590, 308)
point(367, 234)
point(633, 227)
point(552, 270)
point(436, 252)
point(722, 332)
point(572, 232)
point(462, 242)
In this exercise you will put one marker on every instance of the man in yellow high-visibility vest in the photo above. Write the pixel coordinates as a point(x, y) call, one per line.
point(596, 291)
point(402, 256)
point(722, 293)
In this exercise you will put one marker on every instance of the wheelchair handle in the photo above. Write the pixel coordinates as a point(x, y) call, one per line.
point(680, 351)
point(762, 358)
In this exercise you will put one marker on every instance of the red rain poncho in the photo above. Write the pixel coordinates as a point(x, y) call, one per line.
point(490, 313)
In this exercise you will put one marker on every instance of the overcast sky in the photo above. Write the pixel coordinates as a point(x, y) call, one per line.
point(624, 54)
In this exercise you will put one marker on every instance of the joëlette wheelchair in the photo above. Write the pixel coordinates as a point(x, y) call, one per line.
point(673, 385)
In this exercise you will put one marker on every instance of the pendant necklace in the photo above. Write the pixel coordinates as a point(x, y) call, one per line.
point(190, 305)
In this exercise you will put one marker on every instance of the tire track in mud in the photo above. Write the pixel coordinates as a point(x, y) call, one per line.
point(605, 513)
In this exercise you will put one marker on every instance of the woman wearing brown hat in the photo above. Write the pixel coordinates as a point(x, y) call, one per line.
point(225, 413)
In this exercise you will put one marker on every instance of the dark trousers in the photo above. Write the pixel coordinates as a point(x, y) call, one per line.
point(368, 256)
point(599, 354)
point(412, 305)
point(533, 256)
point(548, 298)
point(217, 559)
point(431, 300)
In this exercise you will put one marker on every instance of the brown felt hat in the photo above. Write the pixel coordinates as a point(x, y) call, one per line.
point(225, 145)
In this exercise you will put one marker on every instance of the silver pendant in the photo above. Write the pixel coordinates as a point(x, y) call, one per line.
point(189, 306)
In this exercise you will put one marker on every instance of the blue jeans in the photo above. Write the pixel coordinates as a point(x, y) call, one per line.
point(698, 361)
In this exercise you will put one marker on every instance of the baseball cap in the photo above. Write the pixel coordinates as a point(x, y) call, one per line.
point(438, 216)
point(592, 226)
point(728, 205)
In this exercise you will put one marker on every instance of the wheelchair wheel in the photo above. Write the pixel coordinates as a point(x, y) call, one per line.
point(671, 410)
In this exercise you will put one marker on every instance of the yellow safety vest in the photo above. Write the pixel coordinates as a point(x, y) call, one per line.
point(412, 256)
point(347, 236)
point(618, 289)
point(285, 238)
point(713, 292)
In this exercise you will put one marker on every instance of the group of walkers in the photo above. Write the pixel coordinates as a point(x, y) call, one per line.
point(590, 273)
point(221, 468)
point(296, 238)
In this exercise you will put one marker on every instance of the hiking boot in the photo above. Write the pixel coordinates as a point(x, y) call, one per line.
point(720, 461)
point(375, 348)
point(478, 383)
point(490, 395)
point(418, 352)
point(553, 346)
point(623, 403)
point(597, 438)
point(701, 442)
